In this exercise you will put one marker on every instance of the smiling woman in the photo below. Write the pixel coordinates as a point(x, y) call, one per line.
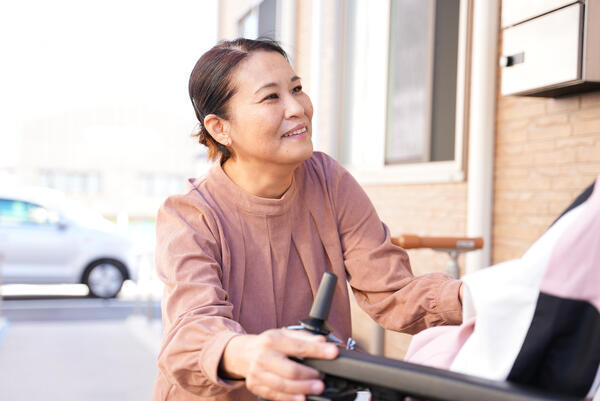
point(271, 125)
point(242, 252)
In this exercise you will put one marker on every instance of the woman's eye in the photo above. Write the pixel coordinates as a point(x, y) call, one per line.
point(297, 89)
point(271, 96)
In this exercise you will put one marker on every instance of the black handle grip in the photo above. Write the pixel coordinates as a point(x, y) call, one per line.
point(322, 303)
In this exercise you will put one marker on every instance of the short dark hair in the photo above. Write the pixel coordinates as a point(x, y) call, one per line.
point(210, 86)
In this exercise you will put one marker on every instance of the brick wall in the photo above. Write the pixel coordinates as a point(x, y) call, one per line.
point(547, 152)
point(432, 209)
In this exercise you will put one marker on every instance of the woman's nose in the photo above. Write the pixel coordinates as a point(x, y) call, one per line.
point(293, 108)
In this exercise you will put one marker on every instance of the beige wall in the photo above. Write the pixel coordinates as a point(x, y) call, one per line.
point(547, 152)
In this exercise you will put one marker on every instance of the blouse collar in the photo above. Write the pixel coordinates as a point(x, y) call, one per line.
point(230, 192)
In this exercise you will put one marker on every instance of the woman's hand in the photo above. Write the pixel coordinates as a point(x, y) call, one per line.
point(263, 361)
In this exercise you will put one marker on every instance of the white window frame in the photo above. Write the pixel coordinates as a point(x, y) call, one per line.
point(367, 119)
point(285, 23)
point(250, 15)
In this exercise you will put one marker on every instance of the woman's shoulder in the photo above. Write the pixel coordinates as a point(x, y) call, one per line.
point(323, 159)
point(191, 204)
point(323, 176)
point(324, 165)
point(190, 195)
point(332, 177)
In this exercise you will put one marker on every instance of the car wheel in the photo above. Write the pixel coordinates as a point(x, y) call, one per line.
point(104, 278)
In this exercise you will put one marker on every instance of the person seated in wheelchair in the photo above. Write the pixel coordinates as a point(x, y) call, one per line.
point(534, 320)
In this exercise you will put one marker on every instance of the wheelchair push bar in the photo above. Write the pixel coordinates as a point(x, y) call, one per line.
point(391, 380)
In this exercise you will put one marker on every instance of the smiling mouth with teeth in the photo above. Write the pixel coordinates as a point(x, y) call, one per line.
point(296, 132)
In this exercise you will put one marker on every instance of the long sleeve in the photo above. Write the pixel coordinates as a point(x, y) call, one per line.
point(379, 272)
point(197, 313)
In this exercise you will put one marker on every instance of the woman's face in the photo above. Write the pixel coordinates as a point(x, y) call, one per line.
point(269, 115)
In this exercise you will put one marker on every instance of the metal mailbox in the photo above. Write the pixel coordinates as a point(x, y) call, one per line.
point(516, 11)
point(552, 54)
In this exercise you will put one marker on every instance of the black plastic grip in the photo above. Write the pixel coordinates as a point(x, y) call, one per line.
point(322, 303)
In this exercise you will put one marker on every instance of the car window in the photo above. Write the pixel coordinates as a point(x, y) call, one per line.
point(16, 212)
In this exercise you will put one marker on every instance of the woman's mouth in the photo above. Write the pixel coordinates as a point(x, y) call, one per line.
point(295, 133)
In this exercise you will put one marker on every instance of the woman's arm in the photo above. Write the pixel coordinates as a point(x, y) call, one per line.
point(197, 314)
point(379, 272)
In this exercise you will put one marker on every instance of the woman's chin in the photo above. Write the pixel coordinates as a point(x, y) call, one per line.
point(296, 151)
point(304, 153)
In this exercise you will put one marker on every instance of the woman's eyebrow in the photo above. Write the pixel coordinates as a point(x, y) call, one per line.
point(273, 84)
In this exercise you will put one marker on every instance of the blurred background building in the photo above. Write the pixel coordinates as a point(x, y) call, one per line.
point(94, 103)
point(95, 100)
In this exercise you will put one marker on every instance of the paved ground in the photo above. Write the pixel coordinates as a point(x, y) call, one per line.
point(77, 349)
point(59, 346)
point(76, 308)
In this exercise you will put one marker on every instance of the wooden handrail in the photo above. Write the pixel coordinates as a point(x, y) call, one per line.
point(409, 241)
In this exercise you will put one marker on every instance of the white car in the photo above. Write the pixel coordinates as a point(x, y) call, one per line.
point(46, 238)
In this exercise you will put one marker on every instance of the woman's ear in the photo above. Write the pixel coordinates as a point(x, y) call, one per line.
point(218, 128)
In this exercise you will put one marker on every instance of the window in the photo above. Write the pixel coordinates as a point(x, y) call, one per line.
point(73, 182)
point(422, 81)
point(259, 21)
point(404, 80)
point(275, 19)
point(15, 213)
point(161, 184)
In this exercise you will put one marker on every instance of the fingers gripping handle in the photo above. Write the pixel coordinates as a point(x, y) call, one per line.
point(319, 310)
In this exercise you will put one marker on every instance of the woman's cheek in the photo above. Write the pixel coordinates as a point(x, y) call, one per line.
point(308, 109)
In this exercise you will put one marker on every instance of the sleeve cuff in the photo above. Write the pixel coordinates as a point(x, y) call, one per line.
point(211, 359)
point(449, 302)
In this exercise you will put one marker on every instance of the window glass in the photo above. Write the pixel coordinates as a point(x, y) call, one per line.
point(161, 184)
point(422, 81)
point(93, 183)
point(267, 19)
point(15, 212)
point(260, 21)
point(71, 182)
point(12, 212)
point(248, 24)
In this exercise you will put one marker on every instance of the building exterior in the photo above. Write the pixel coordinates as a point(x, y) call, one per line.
point(103, 114)
point(407, 97)
point(117, 160)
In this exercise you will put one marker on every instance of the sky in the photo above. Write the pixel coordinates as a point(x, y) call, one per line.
point(63, 55)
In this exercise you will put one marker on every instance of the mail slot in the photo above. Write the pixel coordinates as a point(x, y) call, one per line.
point(553, 54)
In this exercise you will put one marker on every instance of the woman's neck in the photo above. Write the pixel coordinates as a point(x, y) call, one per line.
point(260, 181)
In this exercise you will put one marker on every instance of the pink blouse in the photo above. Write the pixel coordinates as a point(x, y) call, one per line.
point(234, 263)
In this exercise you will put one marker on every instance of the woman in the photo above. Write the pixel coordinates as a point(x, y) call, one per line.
point(242, 252)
